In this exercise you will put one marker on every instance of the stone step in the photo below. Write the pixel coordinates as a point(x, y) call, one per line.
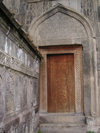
point(62, 118)
point(62, 128)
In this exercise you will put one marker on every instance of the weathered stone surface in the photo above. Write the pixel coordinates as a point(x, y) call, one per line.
point(59, 128)
point(19, 79)
point(59, 27)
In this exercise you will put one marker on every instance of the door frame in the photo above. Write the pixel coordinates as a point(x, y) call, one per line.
point(79, 92)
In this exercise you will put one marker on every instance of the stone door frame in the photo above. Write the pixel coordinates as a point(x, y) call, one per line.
point(65, 49)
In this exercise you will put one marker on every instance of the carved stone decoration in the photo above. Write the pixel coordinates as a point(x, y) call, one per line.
point(88, 8)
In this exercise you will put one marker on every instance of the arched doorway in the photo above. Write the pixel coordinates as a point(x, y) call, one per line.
point(64, 27)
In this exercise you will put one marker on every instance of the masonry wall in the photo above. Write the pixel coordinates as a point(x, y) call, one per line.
point(19, 77)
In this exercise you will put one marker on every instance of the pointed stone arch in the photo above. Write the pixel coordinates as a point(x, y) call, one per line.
point(87, 40)
point(64, 10)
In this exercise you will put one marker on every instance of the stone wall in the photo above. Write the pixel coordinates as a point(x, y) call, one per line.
point(19, 77)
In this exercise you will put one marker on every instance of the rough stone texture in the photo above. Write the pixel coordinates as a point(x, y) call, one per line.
point(19, 77)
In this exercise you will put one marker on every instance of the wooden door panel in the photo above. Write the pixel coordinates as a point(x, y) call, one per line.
point(61, 83)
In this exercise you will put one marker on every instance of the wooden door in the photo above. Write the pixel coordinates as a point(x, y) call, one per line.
point(61, 83)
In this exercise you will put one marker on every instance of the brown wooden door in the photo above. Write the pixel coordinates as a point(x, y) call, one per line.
point(61, 83)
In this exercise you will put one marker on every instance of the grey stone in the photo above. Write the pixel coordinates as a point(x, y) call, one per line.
point(18, 81)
